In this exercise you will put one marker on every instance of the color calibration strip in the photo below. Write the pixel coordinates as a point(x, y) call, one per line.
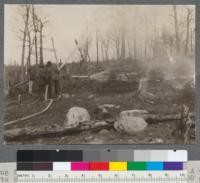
point(100, 166)
point(101, 155)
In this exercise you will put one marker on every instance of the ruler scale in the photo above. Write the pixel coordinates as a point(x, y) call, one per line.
point(9, 174)
point(106, 177)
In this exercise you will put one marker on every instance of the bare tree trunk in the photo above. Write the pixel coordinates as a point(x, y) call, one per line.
point(129, 45)
point(35, 25)
point(106, 53)
point(97, 46)
point(176, 26)
point(188, 21)
point(54, 50)
point(135, 48)
point(27, 9)
point(123, 48)
point(117, 47)
point(187, 31)
point(36, 49)
point(102, 52)
point(29, 48)
point(123, 39)
point(191, 42)
point(41, 43)
point(105, 46)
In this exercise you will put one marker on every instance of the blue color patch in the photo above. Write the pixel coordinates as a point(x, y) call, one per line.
point(155, 166)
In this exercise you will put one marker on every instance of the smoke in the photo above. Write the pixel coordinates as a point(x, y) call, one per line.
point(176, 70)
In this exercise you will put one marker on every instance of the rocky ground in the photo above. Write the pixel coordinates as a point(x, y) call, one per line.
point(158, 133)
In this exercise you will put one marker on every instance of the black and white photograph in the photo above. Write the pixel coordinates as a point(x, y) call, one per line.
point(99, 74)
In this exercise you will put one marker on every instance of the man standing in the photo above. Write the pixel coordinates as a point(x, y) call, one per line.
point(41, 81)
point(48, 74)
point(52, 75)
point(31, 78)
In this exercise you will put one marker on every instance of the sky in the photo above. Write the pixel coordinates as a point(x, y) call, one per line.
point(69, 22)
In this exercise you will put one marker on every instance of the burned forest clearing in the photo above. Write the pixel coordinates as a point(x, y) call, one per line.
point(77, 76)
point(104, 101)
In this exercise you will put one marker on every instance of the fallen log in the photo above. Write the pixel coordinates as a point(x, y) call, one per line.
point(155, 118)
point(53, 131)
point(28, 133)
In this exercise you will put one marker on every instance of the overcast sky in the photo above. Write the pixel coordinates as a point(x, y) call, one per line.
point(67, 22)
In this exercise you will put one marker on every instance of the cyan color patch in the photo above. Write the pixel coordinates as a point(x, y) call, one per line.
point(155, 166)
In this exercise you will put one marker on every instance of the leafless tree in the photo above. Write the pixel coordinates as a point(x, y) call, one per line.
point(176, 27)
point(116, 42)
point(41, 41)
point(26, 15)
point(36, 30)
point(188, 22)
point(97, 45)
point(105, 47)
point(30, 45)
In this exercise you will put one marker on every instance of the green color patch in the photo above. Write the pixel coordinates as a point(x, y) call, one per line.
point(137, 166)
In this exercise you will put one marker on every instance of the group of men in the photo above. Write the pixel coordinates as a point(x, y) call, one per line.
point(46, 79)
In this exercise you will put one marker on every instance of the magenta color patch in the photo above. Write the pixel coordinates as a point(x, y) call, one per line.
point(76, 166)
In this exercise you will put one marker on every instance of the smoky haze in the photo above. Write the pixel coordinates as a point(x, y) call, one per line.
point(142, 24)
point(108, 59)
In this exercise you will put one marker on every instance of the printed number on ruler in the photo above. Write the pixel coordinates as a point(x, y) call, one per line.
point(193, 171)
point(106, 177)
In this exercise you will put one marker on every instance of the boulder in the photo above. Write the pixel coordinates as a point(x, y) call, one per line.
point(134, 113)
point(130, 124)
point(76, 115)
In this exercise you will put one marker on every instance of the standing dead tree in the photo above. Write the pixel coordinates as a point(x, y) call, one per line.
point(105, 47)
point(54, 50)
point(83, 48)
point(41, 41)
point(26, 16)
point(30, 45)
point(115, 38)
point(36, 30)
point(123, 45)
point(188, 22)
point(176, 27)
point(97, 46)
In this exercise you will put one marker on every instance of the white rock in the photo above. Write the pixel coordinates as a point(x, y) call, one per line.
point(77, 115)
point(130, 124)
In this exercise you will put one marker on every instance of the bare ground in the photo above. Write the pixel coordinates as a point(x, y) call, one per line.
point(160, 133)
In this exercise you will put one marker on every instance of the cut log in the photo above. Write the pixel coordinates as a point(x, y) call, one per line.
point(28, 133)
point(55, 131)
point(155, 118)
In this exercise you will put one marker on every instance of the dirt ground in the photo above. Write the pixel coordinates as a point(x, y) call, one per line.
point(159, 133)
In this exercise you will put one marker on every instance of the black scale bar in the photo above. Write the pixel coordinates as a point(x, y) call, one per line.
point(49, 156)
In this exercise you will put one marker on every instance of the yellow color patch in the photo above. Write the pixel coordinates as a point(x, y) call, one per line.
point(117, 166)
